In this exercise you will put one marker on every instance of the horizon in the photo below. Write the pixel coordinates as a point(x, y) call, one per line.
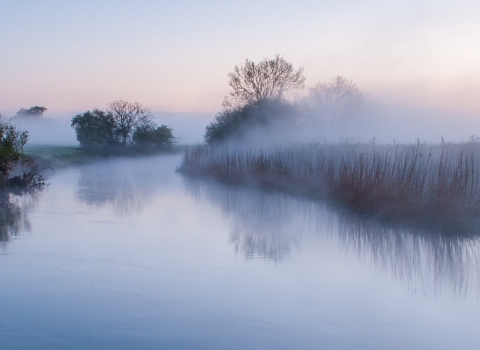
point(173, 60)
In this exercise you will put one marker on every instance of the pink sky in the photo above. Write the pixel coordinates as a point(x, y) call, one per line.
point(175, 57)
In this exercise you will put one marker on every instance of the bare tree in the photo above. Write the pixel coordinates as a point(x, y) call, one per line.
point(269, 79)
point(128, 117)
point(337, 99)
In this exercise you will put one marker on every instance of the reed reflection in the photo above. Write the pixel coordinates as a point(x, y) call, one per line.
point(422, 260)
point(267, 225)
point(263, 224)
point(14, 213)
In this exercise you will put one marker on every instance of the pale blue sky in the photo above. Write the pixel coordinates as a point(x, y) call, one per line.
point(175, 55)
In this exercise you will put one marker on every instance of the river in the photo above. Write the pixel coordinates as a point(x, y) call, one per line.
point(129, 254)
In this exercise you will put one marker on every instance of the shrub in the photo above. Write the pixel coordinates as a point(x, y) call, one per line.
point(12, 141)
point(123, 127)
point(95, 129)
point(16, 168)
point(236, 123)
point(151, 138)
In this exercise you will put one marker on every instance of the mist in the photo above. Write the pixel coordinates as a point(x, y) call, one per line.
point(379, 120)
point(47, 131)
point(388, 122)
point(188, 128)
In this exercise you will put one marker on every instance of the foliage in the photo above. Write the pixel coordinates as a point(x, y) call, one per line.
point(12, 141)
point(235, 123)
point(95, 129)
point(16, 168)
point(35, 112)
point(267, 80)
point(123, 126)
point(151, 138)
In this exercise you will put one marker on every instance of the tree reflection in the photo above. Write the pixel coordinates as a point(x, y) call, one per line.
point(124, 185)
point(14, 210)
point(266, 225)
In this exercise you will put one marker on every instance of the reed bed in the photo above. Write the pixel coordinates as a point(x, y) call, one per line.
point(413, 184)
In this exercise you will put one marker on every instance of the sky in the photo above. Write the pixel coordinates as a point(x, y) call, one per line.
point(174, 56)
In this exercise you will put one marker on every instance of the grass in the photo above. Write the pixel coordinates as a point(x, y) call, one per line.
point(62, 156)
point(433, 186)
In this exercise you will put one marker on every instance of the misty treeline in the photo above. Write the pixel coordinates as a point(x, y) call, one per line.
point(30, 114)
point(261, 104)
point(123, 127)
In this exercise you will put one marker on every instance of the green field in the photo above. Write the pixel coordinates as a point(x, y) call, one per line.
point(63, 156)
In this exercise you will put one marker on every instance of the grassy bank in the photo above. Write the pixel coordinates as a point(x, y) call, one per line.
point(434, 186)
point(63, 156)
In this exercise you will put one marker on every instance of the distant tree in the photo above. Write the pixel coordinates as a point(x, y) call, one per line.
point(123, 126)
point(257, 99)
point(338, 99)
point(154, 138)
point(95, 129)
point(267, 80)
point(128, 117)
point(31, 113)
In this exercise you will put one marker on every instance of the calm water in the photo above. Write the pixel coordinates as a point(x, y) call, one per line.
point(130, 255)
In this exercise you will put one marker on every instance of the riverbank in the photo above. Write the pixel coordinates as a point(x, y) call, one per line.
point(429, 186)
point(56, 157)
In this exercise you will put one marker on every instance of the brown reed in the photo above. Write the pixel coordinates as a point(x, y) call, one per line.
point(432, 185)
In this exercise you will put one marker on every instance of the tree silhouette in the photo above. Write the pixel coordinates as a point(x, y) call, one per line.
point(32, 112)
point(267, 80)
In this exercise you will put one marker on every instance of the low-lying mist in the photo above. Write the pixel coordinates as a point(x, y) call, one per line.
point(373, 122)
point(47, 131)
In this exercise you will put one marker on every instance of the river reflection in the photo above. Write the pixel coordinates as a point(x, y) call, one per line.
point(269, 225)
point(14, 214)
point(423, 261)
point(124, 185)
point(264, 226)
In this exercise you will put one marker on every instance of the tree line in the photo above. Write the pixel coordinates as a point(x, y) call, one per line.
point(123, 126)
point(260, 97)
point(259, 100)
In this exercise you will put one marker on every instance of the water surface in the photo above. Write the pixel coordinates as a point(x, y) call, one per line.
point(128, 254)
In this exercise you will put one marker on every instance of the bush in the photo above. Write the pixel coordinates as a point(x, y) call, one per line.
point(95, 129)
point(257, 99)
point(235, 123)
point(124, 126)
point(16, 168)
point(150, 138)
